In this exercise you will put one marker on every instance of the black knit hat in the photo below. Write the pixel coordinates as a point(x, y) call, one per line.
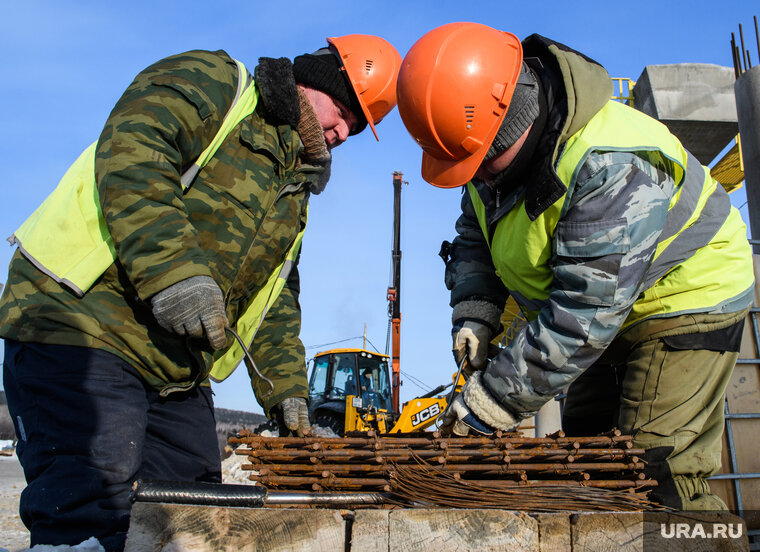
point(322, 71)
point(522, 111)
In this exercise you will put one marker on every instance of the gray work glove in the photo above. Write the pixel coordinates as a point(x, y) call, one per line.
point(475, 411)
point(295, 414)
point(193, 307)
point(471, 338)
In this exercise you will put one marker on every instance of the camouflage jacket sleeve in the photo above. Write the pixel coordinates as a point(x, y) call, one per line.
point(470, 273)
point(602, 248)
point(160, 125)
point(278, 350)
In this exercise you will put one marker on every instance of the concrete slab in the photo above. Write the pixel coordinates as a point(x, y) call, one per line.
point(747, 89)
point(695, 101)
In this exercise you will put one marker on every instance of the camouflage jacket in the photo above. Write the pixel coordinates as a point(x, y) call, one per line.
point(235, 224)
point(569, 335)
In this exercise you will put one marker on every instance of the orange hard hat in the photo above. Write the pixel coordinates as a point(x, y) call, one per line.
point(372, 65)
point(453, 90)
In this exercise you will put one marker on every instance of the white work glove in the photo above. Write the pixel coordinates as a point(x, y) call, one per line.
point(193, 307)
point(475, 411)
point(295, 414)
point(471, 338)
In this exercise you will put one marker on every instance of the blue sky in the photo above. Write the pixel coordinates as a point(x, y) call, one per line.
point(66, 63)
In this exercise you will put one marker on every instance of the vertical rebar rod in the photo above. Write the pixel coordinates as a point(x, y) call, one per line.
point(732, 456)
point(741, 37)
point(739, 61)
point(757, 37)
point(733, 56)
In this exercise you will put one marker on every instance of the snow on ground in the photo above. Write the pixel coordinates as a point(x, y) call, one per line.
point(90, 545)
point(232, 471)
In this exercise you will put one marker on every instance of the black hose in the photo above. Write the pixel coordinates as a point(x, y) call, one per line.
point(198, 493)
point(435, 391)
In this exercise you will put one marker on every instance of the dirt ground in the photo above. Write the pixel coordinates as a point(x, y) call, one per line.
point(13, 534)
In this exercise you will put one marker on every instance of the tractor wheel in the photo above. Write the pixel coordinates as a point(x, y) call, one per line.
point(327, 421)
point(271, 427)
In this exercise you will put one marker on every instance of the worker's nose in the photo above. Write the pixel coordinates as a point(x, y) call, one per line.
point(343, 131)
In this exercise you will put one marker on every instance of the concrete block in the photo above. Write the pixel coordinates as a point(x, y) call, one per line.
point(747, 90)
point(448, 530)
point(695, 101)
point(370, 531)
point(176, 527)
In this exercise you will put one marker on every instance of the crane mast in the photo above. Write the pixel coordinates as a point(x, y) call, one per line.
point(394, 292)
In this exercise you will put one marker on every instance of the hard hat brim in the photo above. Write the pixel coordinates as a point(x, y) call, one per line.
point(451, 174)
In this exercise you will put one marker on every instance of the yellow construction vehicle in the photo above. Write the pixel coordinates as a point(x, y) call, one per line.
point(351, 390)
point(358, 390)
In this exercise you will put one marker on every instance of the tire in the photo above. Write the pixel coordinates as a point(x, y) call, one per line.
point(330, 422)
point(271, 427)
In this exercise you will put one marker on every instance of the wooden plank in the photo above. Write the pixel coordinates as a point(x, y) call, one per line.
point(553, 532)
point(448, 530)
point(603, 532)
point(370, 531)
point(172, 527)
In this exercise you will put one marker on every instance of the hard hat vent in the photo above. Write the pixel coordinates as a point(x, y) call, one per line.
point(469, 115)
point(368, 63)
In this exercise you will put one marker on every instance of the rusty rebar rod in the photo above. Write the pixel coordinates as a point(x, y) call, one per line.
point(434, 439)
point(480, 466)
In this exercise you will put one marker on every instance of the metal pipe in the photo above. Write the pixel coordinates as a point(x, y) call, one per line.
point(742, 416)
point(196, 492)
point(735, 476)
point(326, 498)
point(732, 457)
point(249, 496)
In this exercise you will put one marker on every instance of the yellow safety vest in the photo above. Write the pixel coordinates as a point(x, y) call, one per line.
point(696, 281)
point(73, 210)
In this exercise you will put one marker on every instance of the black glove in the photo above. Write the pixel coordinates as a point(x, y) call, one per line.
point(193, 307)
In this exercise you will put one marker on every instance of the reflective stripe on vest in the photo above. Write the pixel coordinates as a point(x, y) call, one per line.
point(699, 214)
point(73, 210)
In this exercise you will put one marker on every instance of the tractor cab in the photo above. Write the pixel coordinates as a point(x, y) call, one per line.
point(340, 373)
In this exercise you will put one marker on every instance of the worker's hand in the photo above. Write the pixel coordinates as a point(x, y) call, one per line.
point(193, 307)
point(471, 338)
point(295, 414)
point(475, 411)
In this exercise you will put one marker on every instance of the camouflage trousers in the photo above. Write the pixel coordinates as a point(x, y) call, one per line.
point(664, 382)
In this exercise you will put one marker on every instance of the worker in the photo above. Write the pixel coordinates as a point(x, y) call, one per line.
point(630, 264)
point(203, 174)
